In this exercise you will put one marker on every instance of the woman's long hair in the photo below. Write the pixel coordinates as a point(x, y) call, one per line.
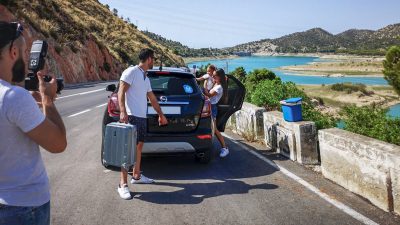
point(224, 83)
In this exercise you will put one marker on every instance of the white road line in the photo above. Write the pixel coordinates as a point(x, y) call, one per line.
point(356, 215)
point(99, 106)
point(79, 113)
point(82, 93)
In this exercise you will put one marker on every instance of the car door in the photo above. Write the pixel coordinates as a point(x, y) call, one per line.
point(235, 97)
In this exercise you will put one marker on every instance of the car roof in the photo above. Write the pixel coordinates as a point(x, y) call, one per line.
point(175, 70)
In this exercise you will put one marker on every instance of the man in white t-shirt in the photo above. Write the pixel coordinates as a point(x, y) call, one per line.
point(134, 90)
point(209, 81)
point(24, 185)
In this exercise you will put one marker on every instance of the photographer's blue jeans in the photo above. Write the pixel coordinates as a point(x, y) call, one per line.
point(39, 215)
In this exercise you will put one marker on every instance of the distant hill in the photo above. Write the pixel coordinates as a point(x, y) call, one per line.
point(87, 41)
point(316, 40)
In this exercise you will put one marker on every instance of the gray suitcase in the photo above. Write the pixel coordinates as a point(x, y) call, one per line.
point(120, 145)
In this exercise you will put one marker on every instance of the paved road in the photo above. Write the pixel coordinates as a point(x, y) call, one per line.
point(240, 189)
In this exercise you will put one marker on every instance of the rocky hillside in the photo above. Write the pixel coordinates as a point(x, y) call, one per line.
point(87, 42)
point(318, 40)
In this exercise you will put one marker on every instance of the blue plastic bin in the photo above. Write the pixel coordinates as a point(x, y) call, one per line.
point(291, 109)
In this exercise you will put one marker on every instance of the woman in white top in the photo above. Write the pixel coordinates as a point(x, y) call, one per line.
point(215, 95)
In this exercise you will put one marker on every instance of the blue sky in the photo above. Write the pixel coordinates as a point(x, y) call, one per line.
point(225, 23)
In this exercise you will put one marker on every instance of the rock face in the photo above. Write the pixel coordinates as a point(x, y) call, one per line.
point(89, 62)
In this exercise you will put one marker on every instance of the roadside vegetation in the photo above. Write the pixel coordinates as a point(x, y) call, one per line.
point(392, 68)
point(372, 121)
point(265, 89)
point(350, 88)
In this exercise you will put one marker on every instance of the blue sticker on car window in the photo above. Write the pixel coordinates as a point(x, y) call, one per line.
point(188, 89)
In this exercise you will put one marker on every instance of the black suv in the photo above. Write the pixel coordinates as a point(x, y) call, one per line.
point(190, 127)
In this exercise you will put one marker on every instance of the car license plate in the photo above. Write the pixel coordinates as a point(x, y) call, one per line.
point(170, 110)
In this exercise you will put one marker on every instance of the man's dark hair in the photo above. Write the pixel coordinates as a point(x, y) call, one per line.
point(145, 54)
point(7, 31)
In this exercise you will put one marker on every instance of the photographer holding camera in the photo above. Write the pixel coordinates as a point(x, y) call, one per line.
point(24, 185)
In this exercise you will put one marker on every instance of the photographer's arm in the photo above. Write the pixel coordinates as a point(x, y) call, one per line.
point(51, 133)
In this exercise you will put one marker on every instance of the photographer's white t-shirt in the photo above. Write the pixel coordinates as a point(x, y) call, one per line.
point(23, 177)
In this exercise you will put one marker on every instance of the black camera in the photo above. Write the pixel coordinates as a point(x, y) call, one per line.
point(36, 63)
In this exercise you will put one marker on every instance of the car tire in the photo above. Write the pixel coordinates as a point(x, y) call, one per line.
point(205, 157)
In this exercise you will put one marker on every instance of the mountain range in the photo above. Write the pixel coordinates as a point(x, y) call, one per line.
point(316, 40)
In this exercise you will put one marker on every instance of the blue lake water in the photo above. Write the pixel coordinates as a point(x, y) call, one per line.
point(395, 111)
point(274, 62)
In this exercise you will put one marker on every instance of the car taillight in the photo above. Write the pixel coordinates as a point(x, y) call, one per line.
point(206, 112)
point(113, 107)
point(204, 137)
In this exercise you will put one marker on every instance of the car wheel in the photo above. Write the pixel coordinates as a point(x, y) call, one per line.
point(204, 157)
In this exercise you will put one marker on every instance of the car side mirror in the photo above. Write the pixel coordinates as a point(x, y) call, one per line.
point(111, 88)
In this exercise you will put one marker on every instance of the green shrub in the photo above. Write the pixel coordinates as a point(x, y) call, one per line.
point(372, 121)
point(350, 88)
point(255, 77)
point(240, 74)
point(107, 67)
point(392, 67)
point(269, 93)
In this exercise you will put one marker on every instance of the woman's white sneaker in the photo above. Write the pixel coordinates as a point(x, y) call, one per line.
point(224, 152)
point(142, 180)
point(124, 192)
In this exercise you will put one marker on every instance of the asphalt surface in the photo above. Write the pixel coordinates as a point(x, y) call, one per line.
point(239, 189)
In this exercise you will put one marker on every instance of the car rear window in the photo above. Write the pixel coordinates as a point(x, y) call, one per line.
point(170, 84)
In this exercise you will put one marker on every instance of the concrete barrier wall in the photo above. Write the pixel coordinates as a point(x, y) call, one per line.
point(248, 122)
point(366, 166)
point(296, 140)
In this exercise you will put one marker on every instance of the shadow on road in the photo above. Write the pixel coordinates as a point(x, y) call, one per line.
point(196, 182)
point(195, 193)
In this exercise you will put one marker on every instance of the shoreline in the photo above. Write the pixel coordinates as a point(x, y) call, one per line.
point(339, 66)
point(321, 74)
point(207, 58)
point(384, 96)
point(331, 65)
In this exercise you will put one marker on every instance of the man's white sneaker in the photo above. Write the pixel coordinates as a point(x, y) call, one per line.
point(224, 152)
point(124, 192)
point(142, 180)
